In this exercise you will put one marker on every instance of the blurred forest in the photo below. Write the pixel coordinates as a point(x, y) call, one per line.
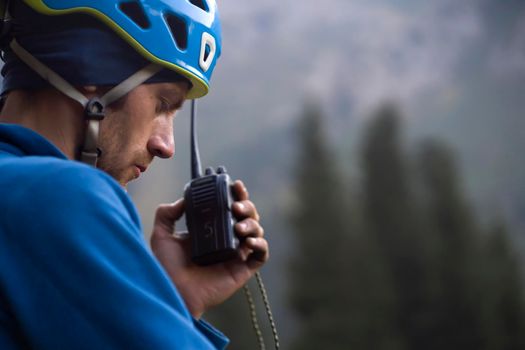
point(396, 261)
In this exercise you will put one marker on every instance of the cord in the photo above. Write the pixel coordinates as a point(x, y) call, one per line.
point(253, 316)
point(268, 309)
point(253, 313)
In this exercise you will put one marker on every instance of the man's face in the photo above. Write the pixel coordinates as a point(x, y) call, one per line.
point(138, 128)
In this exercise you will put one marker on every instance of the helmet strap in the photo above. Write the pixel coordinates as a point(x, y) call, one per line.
point(93, 113)
point(94, 108)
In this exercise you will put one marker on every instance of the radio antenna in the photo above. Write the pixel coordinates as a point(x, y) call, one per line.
point(196, 171)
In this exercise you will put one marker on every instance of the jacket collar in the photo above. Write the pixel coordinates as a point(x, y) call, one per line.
point(21, 141)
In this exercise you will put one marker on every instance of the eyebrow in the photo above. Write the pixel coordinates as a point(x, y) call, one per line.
point(173, 94)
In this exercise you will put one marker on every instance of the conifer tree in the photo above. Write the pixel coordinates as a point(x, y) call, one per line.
point(391, 217)
point(478, 292)
point(318, 286)
point(456, 317)
point(502, 290)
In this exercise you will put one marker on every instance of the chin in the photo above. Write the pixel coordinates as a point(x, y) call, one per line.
point(125, 180)
point(121, 179)
point(124, 184)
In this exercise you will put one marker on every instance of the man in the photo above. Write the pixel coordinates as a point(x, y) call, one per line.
point(100, 81)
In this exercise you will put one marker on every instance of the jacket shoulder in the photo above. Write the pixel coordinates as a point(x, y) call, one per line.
point(59, 186)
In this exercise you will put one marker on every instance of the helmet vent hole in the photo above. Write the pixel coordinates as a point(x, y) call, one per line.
point(207, 51)
point(135, 12)
point(178, 29)
point(200, 4)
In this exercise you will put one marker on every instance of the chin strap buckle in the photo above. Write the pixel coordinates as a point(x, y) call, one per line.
point(94, 110)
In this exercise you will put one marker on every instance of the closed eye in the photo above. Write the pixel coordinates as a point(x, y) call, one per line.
point(164, 105)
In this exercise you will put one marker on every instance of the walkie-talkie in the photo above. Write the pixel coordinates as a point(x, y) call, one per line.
point(208, 200)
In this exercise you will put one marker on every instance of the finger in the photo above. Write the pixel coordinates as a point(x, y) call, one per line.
point(249, 227)
point(245, 209)
point(239, 191)
point(244, 252)
point(182, 235)
point(167, 214)
point(260, 253)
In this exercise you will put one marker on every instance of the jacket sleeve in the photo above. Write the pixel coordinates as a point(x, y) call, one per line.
point(80, 275)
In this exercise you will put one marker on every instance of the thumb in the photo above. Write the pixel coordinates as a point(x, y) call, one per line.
point(168, 214)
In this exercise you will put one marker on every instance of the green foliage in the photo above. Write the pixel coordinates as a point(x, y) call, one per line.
point(391, 218)
point(405, 264)
point(455, 298)
point(319, 222)
point(503, 309)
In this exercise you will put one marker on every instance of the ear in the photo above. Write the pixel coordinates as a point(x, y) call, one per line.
point(90, 88)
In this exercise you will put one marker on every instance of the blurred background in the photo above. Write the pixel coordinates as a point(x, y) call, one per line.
point(383, 143)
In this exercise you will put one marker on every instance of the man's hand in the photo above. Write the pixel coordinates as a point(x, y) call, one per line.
point(205, 286)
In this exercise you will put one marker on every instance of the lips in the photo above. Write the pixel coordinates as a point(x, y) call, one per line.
point(141, 168)
point(138, 169)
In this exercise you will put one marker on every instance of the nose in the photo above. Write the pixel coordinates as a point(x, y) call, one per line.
point(161, 142)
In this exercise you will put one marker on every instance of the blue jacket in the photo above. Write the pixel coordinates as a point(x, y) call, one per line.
point(75, 272)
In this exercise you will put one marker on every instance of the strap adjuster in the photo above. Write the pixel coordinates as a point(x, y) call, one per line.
point(94, 109)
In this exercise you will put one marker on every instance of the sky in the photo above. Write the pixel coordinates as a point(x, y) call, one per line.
point(358, 51)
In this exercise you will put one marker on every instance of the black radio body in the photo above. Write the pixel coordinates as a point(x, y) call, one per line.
point(209, 218)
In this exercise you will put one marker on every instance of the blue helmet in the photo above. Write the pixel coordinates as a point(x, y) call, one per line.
point(181, 35)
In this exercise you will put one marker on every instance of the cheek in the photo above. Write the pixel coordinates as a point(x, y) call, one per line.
point(128, 128)
point(137, 123)
point(113, 137)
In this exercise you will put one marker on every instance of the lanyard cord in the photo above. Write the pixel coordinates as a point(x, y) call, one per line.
point(253, 317)
point(253, 314)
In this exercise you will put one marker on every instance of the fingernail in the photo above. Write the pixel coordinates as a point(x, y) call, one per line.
point(240, 205)
point(242, 226)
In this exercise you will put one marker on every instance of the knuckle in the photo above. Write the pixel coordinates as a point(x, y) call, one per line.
point(249, 204)
point(160, 210)
point(162, 206)
point(252, 223)
point(252, 208)
point(241, 227)
point(240, 206)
